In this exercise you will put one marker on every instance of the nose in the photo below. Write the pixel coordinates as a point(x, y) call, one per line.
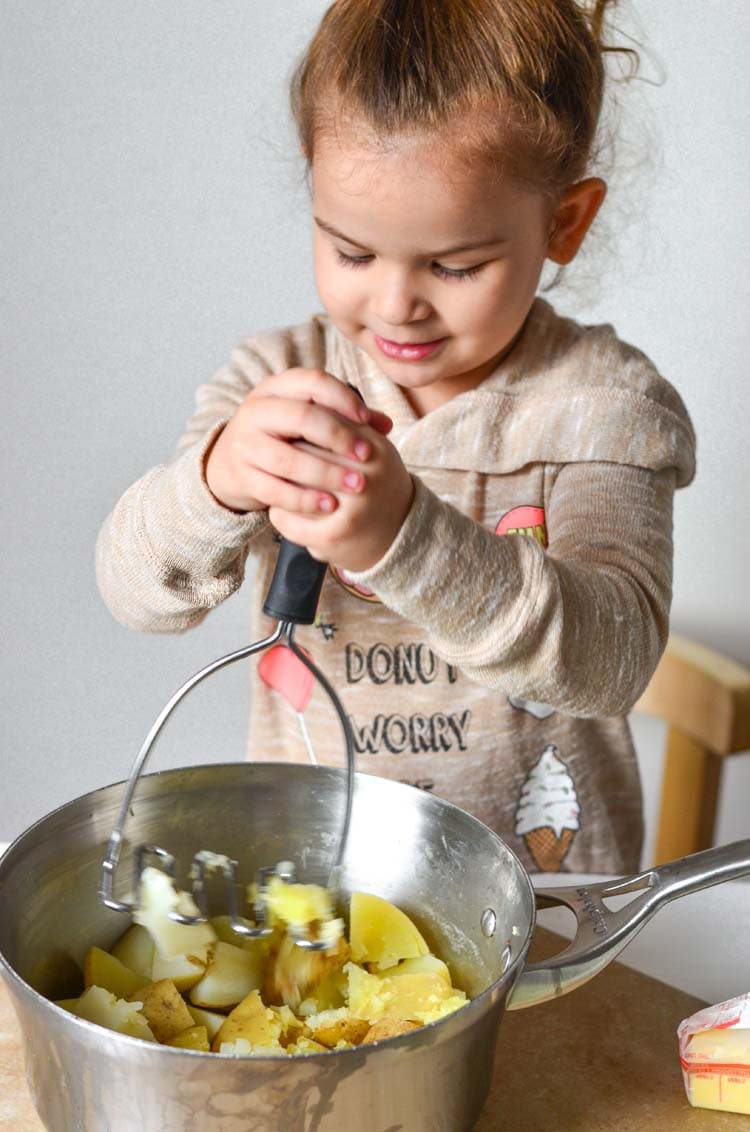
point(398, 299)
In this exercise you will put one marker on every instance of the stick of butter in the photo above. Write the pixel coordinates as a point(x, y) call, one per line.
point(715, 1056)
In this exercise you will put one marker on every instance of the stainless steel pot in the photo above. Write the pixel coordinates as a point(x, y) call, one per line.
point(466, 889)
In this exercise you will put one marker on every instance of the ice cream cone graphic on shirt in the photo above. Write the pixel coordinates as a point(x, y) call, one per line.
point(547, 816)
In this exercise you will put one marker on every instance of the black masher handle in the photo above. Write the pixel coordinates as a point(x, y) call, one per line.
point(295, 586)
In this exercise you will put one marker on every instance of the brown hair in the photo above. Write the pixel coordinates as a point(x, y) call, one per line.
point(524, 77)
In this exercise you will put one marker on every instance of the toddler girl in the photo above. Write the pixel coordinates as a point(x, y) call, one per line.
point(490, 482)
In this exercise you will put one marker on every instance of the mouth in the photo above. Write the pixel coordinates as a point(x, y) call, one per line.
point(408, 351)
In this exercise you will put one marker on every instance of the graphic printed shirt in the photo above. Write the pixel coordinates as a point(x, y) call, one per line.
point(491, 655)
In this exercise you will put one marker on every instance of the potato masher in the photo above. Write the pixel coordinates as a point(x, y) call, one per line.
point(292, 600)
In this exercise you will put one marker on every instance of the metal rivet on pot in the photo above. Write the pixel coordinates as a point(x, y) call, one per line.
point(488, 922)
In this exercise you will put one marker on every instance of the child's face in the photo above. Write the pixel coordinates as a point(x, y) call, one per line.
point(431, 269)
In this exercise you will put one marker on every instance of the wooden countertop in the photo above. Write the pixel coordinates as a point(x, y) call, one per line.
point(602, 1058)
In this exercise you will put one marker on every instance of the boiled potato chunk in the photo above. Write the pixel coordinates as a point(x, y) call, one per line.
point(332, 1027)
point(421, 997)
point(424, 964)
point(231, 974)
point(443, 1008)
point(208, 1018)
point(164, 1009)
point(252, 1021)
point(294, 972)
point(158, 897)
point(380, 933)
point(243, 1048)
point(102, 1007)
point(368, 995)
point(297, 905)
point(306, 1046)
point(136, 950)
point(100, 969)
point(292, 1028)
point(389, 1028)
point(196, 1037)
point(183, 970)
point(330, 994)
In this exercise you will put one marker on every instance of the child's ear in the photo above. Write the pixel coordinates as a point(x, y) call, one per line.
point(573, 217)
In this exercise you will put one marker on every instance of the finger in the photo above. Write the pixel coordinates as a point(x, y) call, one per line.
point(290, 419)
point(290, 497)
point(326, 454)
point(306, 465)
point(298, 528)
point(381, 422)
point(319, 387)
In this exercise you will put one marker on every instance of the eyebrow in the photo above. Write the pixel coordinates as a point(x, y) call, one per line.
point(473, 246)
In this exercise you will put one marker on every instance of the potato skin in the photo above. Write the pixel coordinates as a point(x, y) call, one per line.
point(196, 1037)
point(389, 1028)
point(251, 1020)
point(164, 1009)
point(332, 1030)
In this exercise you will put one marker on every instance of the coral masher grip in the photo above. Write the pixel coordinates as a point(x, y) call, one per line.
point(295, 586)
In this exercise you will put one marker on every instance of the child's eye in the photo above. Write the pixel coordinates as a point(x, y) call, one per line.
point(444, 272)
point(352, 260)
point(457, 272)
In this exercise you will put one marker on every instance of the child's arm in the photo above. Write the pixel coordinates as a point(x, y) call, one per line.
point(580, 626)
point(169, 551)
point(177, 541)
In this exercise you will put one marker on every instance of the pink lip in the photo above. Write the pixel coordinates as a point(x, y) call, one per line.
point(407, 351)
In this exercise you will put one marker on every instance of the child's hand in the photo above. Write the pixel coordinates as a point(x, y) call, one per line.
point(361, 529)
point(254, 463)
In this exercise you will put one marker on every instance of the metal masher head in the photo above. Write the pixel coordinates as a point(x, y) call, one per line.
point(292, 600)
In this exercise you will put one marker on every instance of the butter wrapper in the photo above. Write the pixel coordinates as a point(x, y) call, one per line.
point(715, 1056)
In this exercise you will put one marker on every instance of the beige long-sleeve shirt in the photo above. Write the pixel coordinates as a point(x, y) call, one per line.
point(491, 654)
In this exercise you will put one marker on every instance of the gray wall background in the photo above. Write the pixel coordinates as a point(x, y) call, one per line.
point(154, 211)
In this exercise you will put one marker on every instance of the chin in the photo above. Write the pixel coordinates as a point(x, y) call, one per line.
point(410, 375)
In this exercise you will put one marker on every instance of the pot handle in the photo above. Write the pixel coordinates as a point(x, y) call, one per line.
point(602, 934)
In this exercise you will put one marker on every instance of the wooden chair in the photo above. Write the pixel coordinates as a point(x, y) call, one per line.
point(705, 700)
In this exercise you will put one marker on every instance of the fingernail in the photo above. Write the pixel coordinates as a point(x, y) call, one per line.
point(353, 480)
point(325, 503)
point(364, 414)
point(362, 450)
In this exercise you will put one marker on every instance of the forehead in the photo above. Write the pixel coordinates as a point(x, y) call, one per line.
point(414, 190)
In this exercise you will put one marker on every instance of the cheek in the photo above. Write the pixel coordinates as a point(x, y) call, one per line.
point(322, 267)
point(507, 293)
point(326, 272)
point(338, 297)
point(476, 309)
point(329, 284)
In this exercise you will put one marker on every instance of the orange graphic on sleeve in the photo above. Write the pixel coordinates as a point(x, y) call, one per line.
point(351, 587)
point(529, 521)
